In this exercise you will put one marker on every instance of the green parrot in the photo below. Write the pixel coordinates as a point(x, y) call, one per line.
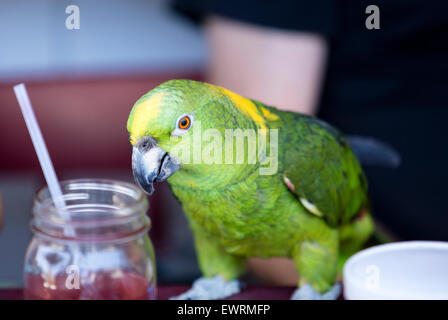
point(291, 188)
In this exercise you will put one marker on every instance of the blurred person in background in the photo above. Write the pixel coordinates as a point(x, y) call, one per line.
point(319, 58)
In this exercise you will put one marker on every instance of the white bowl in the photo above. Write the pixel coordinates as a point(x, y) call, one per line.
point(402, 270)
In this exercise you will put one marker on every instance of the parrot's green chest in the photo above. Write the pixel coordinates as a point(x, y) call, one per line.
point(255, 217)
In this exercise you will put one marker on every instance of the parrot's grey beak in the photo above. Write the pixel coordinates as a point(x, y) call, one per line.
point(150, 164)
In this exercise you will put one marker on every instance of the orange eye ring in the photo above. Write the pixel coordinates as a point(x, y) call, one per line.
point(184, 123)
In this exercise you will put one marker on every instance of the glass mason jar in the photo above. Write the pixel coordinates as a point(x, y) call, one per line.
point(95, 247)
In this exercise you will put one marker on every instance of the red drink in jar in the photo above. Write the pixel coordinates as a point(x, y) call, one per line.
point(105, 286)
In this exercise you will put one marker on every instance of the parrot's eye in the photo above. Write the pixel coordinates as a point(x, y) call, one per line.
point(184, 123)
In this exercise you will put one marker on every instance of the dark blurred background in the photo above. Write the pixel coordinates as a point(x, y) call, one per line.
point(314, 57)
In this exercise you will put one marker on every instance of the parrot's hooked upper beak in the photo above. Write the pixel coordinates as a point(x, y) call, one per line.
point(150, 163)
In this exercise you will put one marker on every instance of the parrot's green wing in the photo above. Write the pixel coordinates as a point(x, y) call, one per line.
point(320, 169)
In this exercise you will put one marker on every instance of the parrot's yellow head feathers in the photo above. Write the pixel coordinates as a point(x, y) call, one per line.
point(143, 113)
point(157, 113)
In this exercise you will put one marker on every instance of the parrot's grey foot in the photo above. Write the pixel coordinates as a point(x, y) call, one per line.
point(210, 289)
point(306, 292)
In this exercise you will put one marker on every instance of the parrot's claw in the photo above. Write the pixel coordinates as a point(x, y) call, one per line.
point(306, 292)
point(210, 289)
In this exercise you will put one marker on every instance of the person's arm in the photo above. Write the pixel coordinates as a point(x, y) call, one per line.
point(279, 68)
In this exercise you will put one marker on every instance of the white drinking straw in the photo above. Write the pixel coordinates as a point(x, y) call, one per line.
point(39, 145)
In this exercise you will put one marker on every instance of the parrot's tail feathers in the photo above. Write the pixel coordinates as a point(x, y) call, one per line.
point(372, 152)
